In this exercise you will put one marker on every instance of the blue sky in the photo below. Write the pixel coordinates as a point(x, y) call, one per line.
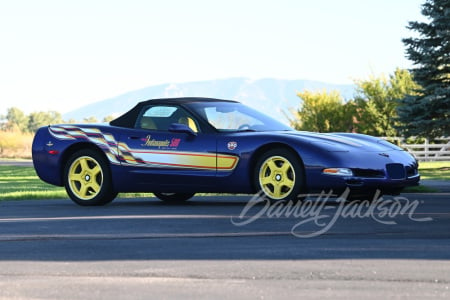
point(60, 55)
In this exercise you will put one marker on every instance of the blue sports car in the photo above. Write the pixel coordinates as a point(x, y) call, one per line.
point(177, 147)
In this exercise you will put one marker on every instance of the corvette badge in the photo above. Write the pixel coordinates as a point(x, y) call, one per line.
point(232, 145)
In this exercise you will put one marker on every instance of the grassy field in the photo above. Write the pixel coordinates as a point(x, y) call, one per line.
point(432, 171)
point(435, 170)
point(22, 182)
point(18, 183)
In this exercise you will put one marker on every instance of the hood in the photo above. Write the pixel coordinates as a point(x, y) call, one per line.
point(345, 141)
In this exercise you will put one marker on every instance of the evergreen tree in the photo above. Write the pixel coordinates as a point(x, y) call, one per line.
point(426, 112)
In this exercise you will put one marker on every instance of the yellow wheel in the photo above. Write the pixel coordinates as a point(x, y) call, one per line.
point(87, 178)
point(279, 175)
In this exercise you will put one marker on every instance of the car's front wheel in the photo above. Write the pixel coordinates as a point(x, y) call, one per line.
point(174, 197)
point(87, 178)
point(279, 175)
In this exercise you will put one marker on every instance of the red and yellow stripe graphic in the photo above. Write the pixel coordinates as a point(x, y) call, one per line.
point(178, 159)
point(120, 153)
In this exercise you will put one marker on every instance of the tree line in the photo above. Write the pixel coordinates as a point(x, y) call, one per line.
point(16, 120)
point(373, 110)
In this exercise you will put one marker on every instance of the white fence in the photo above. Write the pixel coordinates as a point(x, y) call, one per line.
point(439, 150)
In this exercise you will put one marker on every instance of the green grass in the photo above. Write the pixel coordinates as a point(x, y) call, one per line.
point(436, 170)
point(22, 183)
point(419, 189)
point(17, 183)
point(431, 170)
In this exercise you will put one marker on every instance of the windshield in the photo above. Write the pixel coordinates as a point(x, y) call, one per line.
point(232, 116)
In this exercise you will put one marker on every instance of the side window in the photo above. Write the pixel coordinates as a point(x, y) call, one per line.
point(159, 117)
point(160, 111)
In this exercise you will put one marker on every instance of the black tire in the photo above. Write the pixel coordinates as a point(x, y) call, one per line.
point(87, 178)
point(174, 197)
point(279, 174)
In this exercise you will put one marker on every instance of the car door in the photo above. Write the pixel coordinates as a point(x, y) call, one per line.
point(168, 148)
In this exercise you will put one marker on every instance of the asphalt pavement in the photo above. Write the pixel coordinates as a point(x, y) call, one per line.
point(229, 247)
point(441, 186)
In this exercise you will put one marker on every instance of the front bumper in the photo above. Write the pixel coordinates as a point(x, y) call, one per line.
point(369, 172)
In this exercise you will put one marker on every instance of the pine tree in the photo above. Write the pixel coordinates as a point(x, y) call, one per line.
point(426, 112)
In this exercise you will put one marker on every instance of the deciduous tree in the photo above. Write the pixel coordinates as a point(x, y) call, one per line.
point(323, 112)
point(38, 119)
point(16, 120)
point(377, 100)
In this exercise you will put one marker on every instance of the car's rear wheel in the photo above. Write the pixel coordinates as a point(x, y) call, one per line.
point(279, 174)
point(174, 197)
point(87, 178)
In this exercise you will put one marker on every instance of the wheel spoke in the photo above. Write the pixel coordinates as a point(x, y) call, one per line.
point(95, 187)
point(288, 183)
point(285, 167)
point(277, 190)
point(266, 180)
point(84, 165)
point(83, 190)
point(271, 165)
point(75, 177)
point(95, 170)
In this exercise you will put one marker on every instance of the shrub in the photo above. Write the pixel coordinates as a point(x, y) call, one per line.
point(15, 144)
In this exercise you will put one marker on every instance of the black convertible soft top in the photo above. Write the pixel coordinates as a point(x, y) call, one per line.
point(128, 119)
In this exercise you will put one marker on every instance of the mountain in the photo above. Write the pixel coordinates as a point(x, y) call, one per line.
point(274, 97)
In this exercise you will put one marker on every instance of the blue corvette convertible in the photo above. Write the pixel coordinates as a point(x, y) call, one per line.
point(177, 147)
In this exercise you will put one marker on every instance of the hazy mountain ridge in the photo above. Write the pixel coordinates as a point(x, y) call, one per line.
point(271, 96)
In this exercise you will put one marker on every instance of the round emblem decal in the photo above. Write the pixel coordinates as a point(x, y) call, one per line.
point(232, 145)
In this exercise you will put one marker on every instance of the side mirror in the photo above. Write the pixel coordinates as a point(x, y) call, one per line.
point(181, 128)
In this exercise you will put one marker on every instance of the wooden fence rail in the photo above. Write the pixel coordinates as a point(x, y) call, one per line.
point(439, 150)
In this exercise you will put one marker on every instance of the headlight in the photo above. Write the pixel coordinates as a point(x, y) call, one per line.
point(338, 171)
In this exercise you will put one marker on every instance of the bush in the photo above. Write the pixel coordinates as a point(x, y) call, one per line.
point(15, 144)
